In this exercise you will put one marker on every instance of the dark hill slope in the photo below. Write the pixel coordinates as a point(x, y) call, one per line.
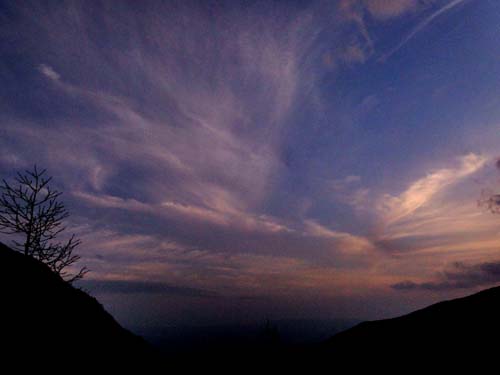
point(464, 329)
point(44, 317)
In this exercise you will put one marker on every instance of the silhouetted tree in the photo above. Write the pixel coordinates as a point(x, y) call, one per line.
point(31, 209)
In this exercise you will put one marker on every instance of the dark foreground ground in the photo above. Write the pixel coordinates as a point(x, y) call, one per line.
point(47, 323)
point(53, 326)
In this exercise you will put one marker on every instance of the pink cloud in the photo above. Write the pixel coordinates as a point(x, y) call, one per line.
point(386, 9)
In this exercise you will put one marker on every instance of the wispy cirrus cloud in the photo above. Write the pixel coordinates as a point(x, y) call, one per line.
point(432, 216)
point(420, 192)
point(48, 72)
point(204, 122)
point(459, 236)
point(386, 9)
point(345, 242)
point(420, 27)
point(154, 265)
point(201, 146)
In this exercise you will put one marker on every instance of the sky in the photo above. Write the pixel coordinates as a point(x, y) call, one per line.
point(233, 161)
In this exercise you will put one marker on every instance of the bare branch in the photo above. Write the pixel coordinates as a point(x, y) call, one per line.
point(32, 211)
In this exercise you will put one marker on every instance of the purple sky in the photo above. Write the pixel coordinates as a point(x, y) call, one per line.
point(233, 161)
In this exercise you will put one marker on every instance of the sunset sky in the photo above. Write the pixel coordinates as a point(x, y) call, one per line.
point(242, 160)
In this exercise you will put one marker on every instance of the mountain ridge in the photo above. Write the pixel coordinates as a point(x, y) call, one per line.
point(462, 328)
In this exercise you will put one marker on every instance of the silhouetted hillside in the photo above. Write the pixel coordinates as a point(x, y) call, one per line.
point(50, 323)
point(43, 317)
point(449, 332)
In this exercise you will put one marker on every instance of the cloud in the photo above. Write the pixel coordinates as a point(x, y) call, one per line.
point(345, 183)
point(461, 276)
point(168, 132)
point(359, 46)
point(48, 72)
point(420, 192)
point(256, 264)
point(368, 104)
point(347, 191)
point(110, 201)
point(225, 218)
point(417, 239)
point(343, 242)
point(216, 136)
point(141, 287)
point(449, 227)
point(421, 26)
point(386, 9)
point(355, 11)
point(354, 54)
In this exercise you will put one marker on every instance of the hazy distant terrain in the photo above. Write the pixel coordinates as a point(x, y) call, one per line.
point(291, 332)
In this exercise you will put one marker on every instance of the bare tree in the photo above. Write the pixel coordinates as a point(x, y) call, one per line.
point(32, 210)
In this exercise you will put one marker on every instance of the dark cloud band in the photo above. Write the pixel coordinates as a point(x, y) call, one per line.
point(142, 287)
point(460, 277)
